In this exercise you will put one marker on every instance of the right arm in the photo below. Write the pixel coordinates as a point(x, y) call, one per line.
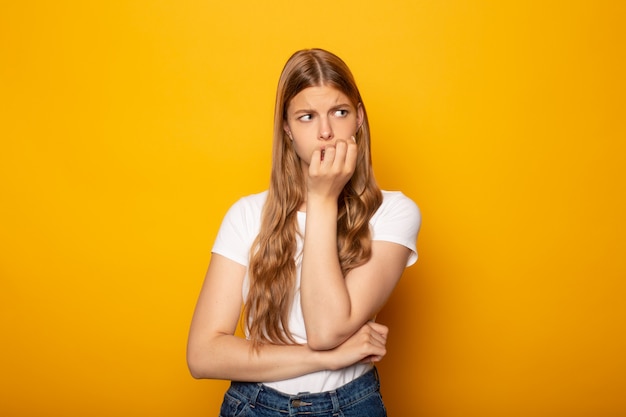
point(213, 350)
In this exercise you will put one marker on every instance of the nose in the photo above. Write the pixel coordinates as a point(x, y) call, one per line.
point(326, 130)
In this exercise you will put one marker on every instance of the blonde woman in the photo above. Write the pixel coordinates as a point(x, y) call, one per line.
point(311, 261)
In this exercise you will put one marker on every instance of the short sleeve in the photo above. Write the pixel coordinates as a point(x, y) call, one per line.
point(237, 233)
point(397, 220)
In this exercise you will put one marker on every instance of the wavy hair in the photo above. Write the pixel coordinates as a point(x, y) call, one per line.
point(272, 263)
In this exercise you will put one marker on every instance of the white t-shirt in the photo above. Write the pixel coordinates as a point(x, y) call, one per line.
point(397, 220)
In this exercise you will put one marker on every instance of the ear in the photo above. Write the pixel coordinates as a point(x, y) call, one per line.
point(287, 130)
point(360, 116)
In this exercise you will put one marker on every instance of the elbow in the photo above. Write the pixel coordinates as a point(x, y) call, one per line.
point(199, 367)
point(195, 374)
point(203, 371)
point(207, 358)
point(319, 341)
point(196, 371)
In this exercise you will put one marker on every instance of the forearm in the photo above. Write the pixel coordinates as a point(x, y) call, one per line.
point(326, 301)
point(232, 358)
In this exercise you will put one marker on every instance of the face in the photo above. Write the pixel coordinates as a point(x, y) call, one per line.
point(317, 117)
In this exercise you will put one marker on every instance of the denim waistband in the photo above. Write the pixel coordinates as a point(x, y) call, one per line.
point(259, 394)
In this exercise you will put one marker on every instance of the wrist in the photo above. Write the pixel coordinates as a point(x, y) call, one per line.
point(318, 360)
point(324, 360)
point(325, 203)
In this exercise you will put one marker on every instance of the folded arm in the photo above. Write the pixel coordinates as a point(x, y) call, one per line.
point(214, 351)
point(335, 306)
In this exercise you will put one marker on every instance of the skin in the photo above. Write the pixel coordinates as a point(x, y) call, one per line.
point(337, 310)
point(334, 307)
point(214, 352)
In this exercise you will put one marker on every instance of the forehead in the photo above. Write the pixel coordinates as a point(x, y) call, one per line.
point(318, 97)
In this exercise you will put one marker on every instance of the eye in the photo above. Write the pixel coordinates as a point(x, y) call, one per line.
point(341, 113)
point(305, 117)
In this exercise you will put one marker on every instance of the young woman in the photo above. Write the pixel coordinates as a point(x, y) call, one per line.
point(311, 261)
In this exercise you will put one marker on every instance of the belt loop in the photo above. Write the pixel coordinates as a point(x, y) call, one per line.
point(255, 393)
point(335, 400)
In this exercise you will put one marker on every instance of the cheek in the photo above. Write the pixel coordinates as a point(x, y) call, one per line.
point(346, 127)
point(302, 150)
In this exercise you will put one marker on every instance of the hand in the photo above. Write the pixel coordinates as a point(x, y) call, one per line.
point(368, 344)
point(331, 168)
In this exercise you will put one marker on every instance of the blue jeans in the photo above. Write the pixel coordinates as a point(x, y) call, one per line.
point(359, 398)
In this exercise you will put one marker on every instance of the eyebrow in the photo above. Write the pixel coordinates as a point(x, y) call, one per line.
point(335, 107)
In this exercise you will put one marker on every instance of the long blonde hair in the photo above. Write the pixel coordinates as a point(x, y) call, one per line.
point(272, 264)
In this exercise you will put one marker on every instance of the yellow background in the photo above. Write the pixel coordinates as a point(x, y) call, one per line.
point(129, 127)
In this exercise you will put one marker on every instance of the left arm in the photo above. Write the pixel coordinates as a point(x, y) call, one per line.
point(334, 306)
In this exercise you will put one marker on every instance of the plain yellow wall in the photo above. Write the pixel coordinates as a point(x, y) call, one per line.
point(129, 127)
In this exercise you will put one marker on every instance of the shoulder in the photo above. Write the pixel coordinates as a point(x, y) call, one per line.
point(245, 213)
point(247, 207)
point(397, 220)
point(396, 204)
point(239, 228)
point(254, 202)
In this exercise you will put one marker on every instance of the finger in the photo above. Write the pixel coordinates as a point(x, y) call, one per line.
point(373, 347)
point(379, 328)
point(329, 155)
point(316, 159)
point(351, 155)
point(379, 332)
point(378, 340)
point(369, 337)
point(373, 358)
point(339, 162)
